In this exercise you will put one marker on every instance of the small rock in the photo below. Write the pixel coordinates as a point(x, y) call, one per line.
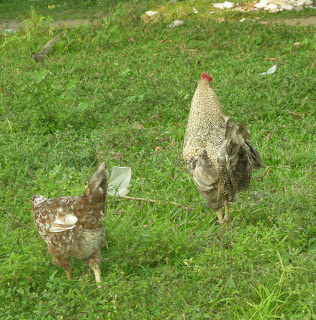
point(257, 195)
point(151, 13)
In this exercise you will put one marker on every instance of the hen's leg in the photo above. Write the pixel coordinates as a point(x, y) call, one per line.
point(93, 262)
point(226, 202)
point(97, 274)
point(64, 263)
point(68, 274)
point(220, 215)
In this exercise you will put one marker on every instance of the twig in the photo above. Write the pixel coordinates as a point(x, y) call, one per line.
point(39, 56)
point(154, 201)
point(66, 28)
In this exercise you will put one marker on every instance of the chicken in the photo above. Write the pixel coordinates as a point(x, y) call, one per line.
point(72, 226)
point(217, 153)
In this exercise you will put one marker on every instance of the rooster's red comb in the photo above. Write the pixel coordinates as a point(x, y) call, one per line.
point(205, 75)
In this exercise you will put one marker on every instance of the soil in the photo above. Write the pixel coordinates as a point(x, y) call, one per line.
point(310, 21)
point(14, 24)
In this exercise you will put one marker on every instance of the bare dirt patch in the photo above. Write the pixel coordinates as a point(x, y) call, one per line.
point(310, 21)
point(14, 24)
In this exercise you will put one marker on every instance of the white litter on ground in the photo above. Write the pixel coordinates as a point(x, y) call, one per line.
point(223, 5)
point(270, 71)
point(119, 181)
point(279, 5)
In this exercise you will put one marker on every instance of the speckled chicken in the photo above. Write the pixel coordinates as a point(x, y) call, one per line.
point(217, 153)
point(72, 226)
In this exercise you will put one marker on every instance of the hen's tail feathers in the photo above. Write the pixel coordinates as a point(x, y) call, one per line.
point(98, 182)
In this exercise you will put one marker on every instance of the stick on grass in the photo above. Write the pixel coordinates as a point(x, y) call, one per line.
point(154, 201)
point(39, 56)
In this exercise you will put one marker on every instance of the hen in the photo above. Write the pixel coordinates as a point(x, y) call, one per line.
point(217, 153)
point(72, 226)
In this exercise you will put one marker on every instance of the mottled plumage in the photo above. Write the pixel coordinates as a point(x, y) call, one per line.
point(217, 153)
point(72, 226)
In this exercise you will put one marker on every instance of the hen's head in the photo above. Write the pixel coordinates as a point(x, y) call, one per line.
point(205, 76)
point(37, 200)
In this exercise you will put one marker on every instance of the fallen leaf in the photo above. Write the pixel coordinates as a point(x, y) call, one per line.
point(267, 172)
point(30, 174)
point(139, 126)
point(160, 138)
point(296, 116)
point(158, 148)
point(240, 59)
point(117, 211)
point(271, 59)
point(165, 40)
point(114, 156)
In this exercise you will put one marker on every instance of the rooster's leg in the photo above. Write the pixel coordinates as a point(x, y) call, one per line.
point(226, 210)
point(220, 215)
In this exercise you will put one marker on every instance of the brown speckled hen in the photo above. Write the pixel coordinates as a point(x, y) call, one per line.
point(72, 226)
point(217, 153)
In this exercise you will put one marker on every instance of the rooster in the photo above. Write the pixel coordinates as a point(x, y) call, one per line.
point(217, 153)
point(72, 226)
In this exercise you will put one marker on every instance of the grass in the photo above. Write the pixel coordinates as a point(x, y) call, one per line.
point(58, 9)
point(85, 103)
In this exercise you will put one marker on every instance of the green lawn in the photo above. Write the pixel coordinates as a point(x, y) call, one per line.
point(86, 103)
